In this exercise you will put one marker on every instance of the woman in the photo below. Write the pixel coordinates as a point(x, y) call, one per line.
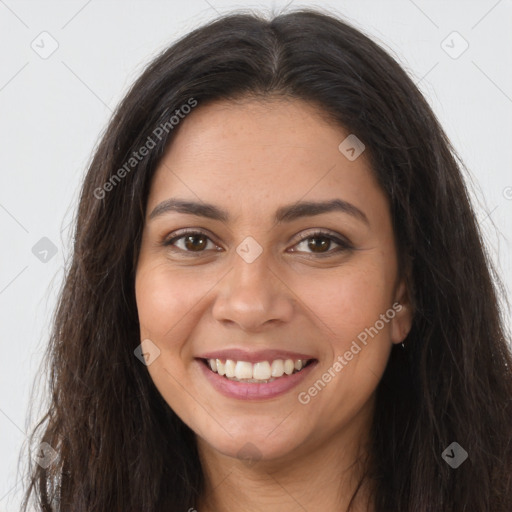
point(279, 298)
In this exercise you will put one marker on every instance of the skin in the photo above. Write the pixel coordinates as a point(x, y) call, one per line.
point(249, 158)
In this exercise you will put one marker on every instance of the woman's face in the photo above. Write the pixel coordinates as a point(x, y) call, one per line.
point(277, 247)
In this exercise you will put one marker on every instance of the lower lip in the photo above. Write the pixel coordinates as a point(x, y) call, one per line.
point(253, 390)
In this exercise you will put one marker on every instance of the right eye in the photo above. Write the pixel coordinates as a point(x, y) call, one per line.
point(191, 242)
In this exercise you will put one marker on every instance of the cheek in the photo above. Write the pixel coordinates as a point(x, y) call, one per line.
point(349, 305)
point(166, 302)
point(167, 305)
point(350, 301)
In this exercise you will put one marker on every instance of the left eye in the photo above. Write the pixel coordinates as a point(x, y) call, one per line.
point(321, 242)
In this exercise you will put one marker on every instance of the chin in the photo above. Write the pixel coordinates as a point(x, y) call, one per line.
point(255, 444)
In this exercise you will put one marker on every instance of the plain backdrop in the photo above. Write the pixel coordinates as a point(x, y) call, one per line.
point(66, 64)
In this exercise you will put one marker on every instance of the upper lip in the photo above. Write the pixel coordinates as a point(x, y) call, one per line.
point(237, 354)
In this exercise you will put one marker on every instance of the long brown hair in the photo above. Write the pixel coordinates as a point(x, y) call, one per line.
point(120, 447)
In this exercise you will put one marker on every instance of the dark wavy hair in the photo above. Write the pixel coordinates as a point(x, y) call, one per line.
point(120, 446)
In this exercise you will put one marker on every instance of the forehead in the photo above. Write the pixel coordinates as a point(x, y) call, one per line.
point(252, 153)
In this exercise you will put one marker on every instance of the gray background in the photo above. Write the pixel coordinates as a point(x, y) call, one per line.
point(53, 109)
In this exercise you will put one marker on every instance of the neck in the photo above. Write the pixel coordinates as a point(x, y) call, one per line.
point(319, 476)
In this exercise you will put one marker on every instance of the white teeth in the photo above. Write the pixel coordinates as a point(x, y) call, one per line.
point(221, 370)
point(262, 371)
point(243, 370)
point(289, 366)
point(230, 368)
point(277, 368)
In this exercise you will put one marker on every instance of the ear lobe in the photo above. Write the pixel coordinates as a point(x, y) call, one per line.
point(402, 321)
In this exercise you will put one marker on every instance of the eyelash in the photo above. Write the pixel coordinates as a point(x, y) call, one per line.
point(343, 245)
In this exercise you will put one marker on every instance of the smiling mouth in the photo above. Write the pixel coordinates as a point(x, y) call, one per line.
point(257, 373)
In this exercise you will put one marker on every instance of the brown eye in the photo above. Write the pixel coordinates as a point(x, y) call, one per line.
point(319, 243)
point(191, 242)
point(195, 242)
point(322, 244)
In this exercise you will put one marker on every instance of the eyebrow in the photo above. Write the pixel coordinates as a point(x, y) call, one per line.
point(286, 213)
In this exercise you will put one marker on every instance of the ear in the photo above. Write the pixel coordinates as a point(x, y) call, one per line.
point(402, 321)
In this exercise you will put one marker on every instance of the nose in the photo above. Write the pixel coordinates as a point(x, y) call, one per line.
point(253, 297)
